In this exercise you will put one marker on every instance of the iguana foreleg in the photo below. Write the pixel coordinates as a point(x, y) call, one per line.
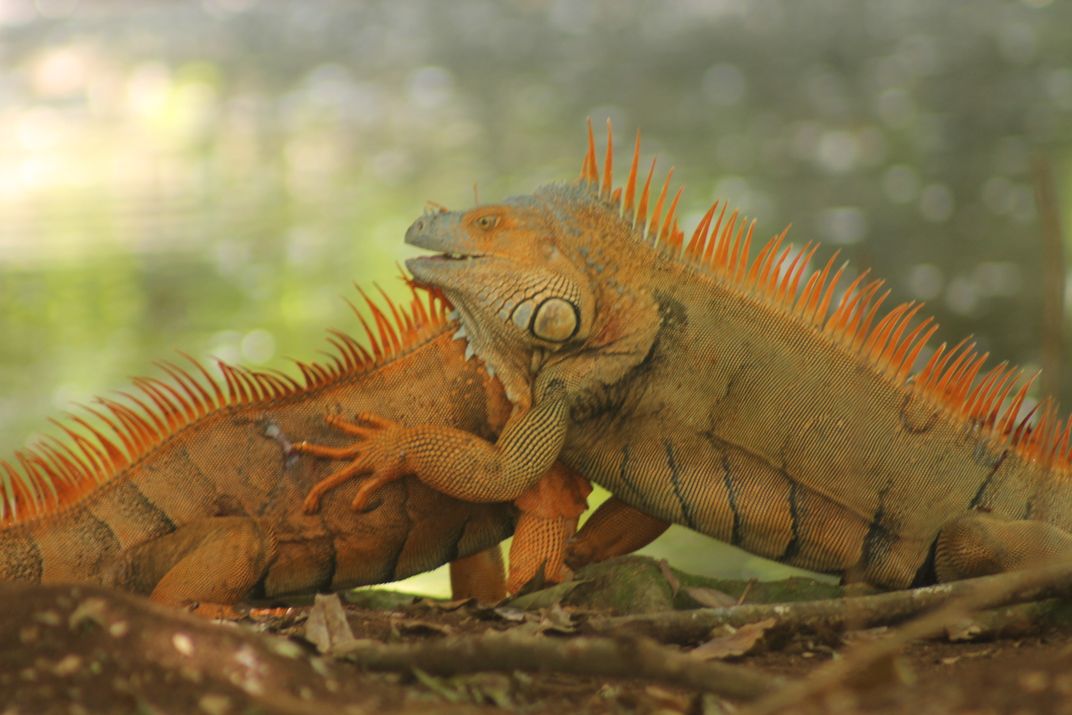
point(457, 463)
point(979, 544)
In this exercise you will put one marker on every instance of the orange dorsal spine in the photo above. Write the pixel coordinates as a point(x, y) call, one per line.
point(885, 342)
point(53, 474)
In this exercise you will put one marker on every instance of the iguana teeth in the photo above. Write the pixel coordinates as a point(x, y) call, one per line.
point(460, 334)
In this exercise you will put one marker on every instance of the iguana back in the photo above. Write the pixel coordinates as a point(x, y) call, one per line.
point(188, 488)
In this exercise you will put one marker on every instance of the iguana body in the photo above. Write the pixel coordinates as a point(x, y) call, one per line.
point(730, 394)
point(198, 495)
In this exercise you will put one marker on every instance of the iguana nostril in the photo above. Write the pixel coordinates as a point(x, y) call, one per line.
point(417, 229)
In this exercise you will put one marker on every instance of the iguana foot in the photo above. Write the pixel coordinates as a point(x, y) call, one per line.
point(377, 453)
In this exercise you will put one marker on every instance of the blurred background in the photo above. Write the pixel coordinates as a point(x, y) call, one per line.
point(213, 176)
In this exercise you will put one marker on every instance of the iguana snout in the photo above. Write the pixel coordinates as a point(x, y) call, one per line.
point(442, 232)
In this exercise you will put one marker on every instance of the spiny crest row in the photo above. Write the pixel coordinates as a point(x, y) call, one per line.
point(114, 434)
point(950, 378)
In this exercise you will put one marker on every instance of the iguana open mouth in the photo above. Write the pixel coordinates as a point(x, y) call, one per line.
point(453, 257)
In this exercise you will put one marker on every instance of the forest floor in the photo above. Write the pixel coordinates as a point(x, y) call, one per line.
point(78, 649)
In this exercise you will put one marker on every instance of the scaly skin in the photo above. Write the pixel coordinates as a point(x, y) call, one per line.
point(729, 394)
point(209, 507)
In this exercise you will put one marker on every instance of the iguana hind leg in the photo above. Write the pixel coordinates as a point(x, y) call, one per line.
point(218, 560)
point(615, 529)
point(979, 544)
point(480, 576)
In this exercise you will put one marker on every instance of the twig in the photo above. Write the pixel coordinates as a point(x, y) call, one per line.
point(1053, 278)
point(1015, 621)
point(981, 593)
point(602, 657)
point(838, 614)
point(747, 590)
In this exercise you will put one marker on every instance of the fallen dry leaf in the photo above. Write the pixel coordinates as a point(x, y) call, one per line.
point(510, 615)
point(733, 643)
point(557, 620)
point(267, 613)
point(447, 605)
point(964, 630)
point(416, 626)
point(327, 627)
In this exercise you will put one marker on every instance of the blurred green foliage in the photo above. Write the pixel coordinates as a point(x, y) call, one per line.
point(212, 176)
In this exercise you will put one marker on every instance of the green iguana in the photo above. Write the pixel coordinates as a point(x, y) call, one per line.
point(731, 394)
point(196, 495)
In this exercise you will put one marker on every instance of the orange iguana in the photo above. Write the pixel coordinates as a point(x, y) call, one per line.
point(196, 497)
point(730, 394)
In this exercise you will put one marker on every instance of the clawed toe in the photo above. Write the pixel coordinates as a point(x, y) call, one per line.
point(364, 424)
point(362, 500)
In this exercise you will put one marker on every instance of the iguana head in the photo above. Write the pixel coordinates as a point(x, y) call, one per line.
point(539, 279)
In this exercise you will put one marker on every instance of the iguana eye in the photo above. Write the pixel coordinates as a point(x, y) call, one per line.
point(487, 222)
point(556, 320)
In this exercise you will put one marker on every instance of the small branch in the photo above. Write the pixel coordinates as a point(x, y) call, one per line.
point(601, 657)
point(973, 595)
point(839, 614)
point(1053, 277)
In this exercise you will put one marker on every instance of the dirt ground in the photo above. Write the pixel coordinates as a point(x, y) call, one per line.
point(67, 649)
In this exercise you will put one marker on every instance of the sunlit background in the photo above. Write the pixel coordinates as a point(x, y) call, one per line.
point(213, 176)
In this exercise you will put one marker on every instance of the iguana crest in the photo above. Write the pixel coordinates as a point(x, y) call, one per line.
point(114, 434)
point(851, 319)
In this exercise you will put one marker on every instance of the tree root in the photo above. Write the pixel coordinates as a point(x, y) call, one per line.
point(963, 599)
point(634, 658)
point(844, 613)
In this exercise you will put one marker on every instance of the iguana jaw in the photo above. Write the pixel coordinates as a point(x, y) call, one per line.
point(440, 271)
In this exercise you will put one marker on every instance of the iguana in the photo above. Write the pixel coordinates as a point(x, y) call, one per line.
point(739, 396)
point(190, 489)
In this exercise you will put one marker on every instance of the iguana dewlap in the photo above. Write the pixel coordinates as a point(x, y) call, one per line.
point(745, 397)
point(195, 491)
